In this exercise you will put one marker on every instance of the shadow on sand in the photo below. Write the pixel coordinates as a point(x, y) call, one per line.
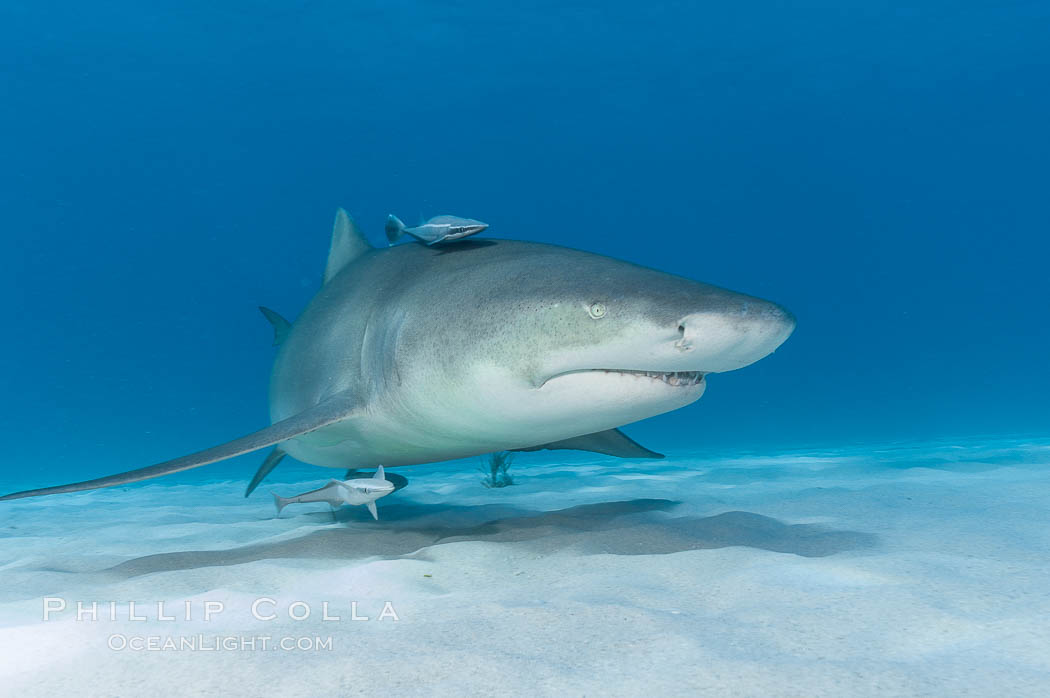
point(635, 527)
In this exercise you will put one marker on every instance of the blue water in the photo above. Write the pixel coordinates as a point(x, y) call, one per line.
point(879, 168)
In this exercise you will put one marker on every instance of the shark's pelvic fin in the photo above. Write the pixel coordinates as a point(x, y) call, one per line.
point(372, 510)
point(334, 409)
point(348, 243)
point(281, 327)
point(272, 459)
point(611, 442)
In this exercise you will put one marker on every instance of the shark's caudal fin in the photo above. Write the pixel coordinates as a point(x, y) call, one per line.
point(281, 327)
point(334, 409)
point(348, 243)
point(611, 442)
point(272, 459)
point(372, 510)
point(394, 228)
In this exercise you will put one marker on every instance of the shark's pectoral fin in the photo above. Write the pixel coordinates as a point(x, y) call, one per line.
point(372, 510)
point(611, 442)
point(272, 459)
point(334, 409)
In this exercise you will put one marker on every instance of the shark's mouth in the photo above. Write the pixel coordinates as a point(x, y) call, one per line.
point(673, 378)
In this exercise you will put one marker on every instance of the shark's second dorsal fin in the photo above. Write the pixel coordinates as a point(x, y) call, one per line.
point(348, 243)
point(281, 327)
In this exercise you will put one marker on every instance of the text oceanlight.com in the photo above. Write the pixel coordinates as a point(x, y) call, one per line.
point(216, 643)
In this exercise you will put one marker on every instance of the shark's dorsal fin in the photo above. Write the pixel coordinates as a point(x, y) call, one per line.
point(281, 327)
point(611, 442)
point(335, 409)
point(348, 243)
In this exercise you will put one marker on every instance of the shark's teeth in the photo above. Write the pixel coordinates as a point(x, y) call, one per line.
point(676, 378)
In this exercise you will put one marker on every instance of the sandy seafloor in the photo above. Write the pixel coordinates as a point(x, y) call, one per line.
point(904, 570)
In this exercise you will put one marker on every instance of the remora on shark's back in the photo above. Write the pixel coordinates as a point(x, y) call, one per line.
point(437, 229)
point(414, 354)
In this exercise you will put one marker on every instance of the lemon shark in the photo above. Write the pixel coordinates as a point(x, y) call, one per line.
point(413, 354)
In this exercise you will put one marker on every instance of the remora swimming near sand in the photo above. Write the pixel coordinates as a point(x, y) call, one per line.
point(339, 492)
point(414, 354)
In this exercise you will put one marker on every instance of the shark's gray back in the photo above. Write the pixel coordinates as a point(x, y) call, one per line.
point(345, 339)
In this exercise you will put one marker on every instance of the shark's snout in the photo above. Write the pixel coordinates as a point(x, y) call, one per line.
point(734, 336)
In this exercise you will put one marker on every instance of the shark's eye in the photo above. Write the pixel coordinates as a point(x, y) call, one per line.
point(597, 310)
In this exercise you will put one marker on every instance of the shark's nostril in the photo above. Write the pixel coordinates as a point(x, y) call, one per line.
point(682, 344)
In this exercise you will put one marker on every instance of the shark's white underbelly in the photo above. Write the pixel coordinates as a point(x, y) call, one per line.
point(446, 422)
